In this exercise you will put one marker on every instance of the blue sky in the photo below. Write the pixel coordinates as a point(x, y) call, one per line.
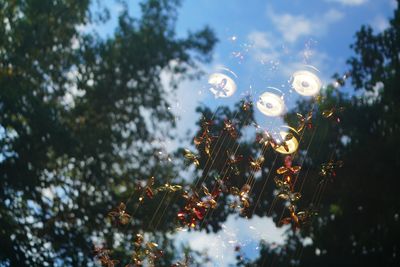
point(263, 43)
point(275, 38)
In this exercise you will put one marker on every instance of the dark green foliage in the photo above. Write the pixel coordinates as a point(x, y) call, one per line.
point(215, 168)
point(77, 123)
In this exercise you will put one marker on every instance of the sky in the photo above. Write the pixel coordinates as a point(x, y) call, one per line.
point(262, 43)
point(265, 42)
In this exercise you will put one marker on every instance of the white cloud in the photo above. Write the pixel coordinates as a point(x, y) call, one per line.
point(220, 246)
point(393, 3)
point(279, 51)
point(349, 2)
point(183, 103)
point(332, 16)
point(264, 46)
point(289, 58)
point(260, 40)
point(292, 27)
point(312, 57)
point(380, 23)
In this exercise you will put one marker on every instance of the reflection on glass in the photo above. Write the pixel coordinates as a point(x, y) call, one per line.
point(270, 104)
point(306, 83)
point(221, 85)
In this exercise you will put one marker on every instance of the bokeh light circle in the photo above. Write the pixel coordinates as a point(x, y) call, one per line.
point(270, 104)
point(221, 84)
point(306, 83)
point(292, 144)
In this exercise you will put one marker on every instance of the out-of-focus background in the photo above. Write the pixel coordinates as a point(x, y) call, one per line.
point(98, 96)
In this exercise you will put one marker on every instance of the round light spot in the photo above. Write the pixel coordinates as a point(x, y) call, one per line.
point(221, 85)
point(306, 83)
point(270, 104)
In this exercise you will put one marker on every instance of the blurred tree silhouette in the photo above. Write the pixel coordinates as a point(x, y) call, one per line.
point(78, 117)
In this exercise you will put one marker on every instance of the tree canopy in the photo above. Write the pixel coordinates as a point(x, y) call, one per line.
point(77, 117)
point(80, 121)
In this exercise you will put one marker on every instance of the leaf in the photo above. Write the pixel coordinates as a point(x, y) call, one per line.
point(288, 136)
point(149, 192)
point(302, 215)
point(122, 206)
point(191, 156)
point(234, 191)
point(285, 146)
point(286, 221)
point(245, 189)
point(232, 158)
point(169, 187)
point(327, 113)
point(207, 149)
point(197, 141)
point(151, 245)
point(295, 196)
point(205, 190)
point(296, 169)
point(124, 218)
point(278, 182)
point(245, 203)
point(212, 203)
point(256, 164)
point(282, 170)
point(283, 196)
